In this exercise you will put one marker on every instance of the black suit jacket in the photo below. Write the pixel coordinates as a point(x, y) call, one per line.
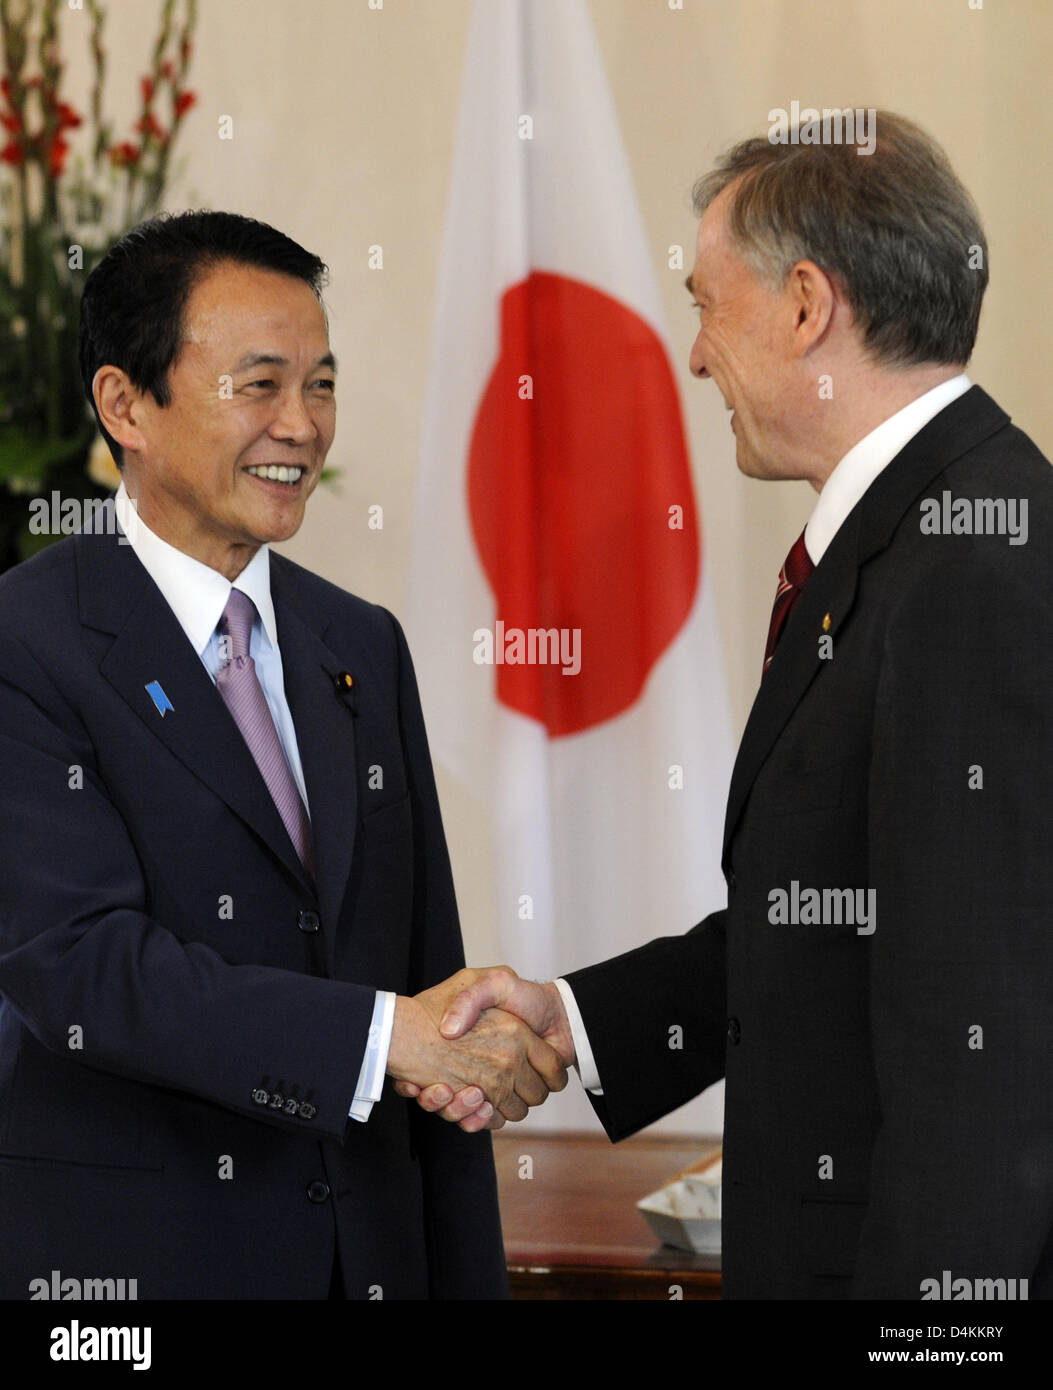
point(889, 1112)
point(183, 1015)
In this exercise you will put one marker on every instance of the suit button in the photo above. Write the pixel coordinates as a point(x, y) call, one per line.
point(307, 921)
point(307, 1110)
point(260, 1096)
point(318, 1191)
point(734, 1030)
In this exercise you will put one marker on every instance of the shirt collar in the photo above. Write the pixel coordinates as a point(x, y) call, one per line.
point(865, 460)
point(196, 594)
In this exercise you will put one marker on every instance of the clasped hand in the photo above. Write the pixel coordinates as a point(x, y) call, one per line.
point(481, 1048)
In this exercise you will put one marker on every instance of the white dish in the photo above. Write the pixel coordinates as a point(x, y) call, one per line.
point(681, 1217)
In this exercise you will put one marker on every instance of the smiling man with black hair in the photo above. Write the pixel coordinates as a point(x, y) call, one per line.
point(227, 904)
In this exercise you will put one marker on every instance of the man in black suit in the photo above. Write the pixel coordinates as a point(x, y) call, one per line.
point(878, 992)
point(226, 902)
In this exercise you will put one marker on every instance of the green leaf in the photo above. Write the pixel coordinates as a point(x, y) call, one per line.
point(28, 457)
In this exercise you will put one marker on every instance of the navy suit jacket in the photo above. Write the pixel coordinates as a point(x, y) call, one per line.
point(183, 1014)
point(888, 1112)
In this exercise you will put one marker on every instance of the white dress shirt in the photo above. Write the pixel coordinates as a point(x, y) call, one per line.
point(841, 491)
point(865, 460)
point(197, 595)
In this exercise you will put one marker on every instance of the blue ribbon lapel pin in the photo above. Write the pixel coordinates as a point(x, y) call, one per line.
point(160, 699)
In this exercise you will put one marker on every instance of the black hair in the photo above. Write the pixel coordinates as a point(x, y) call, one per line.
point(134, 300)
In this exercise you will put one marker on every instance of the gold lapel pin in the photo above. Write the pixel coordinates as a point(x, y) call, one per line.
point(826, 623)
point(344, 681)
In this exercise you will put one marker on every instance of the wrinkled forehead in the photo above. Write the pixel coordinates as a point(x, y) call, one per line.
point(714, 252)
point(235, 305)
point(719, 261)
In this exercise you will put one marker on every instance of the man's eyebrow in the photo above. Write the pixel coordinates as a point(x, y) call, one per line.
point(274, 359)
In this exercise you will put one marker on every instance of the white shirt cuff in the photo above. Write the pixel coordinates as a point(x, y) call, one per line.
point(375, 1062)
point(584, 1060)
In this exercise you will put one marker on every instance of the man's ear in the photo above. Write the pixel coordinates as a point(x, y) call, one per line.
point(813, 297)
point(119, 403)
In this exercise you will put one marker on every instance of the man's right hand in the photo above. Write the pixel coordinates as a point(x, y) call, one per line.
point(497, 1066)
point(540, 1006)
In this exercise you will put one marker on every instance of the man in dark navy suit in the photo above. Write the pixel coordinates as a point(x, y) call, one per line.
point(226, 905)
point(878, 992)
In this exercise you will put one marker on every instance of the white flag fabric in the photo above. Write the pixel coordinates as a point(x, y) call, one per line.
point(560, 614)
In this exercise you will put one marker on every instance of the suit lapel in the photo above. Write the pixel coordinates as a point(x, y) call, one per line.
point(325, 735)
point(831, 590)
point(117, 596)
point(867, 530)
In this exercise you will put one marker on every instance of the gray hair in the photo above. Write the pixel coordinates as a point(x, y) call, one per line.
point(895, 228)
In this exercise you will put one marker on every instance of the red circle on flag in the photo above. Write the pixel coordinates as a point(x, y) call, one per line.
point(581, 503)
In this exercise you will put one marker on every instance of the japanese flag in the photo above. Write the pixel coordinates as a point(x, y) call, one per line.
point(560, 615)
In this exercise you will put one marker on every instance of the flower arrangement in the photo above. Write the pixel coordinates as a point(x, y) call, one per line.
point(68, 188)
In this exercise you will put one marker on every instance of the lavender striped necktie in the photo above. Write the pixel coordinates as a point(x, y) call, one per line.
point(243, 695)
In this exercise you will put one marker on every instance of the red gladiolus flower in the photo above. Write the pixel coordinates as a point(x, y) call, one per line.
point(149, 125)
point(5, 87)
point(11, 153)
point(10, 120)
point(68, 118)
point(124, 154)
point(183, 102)
point(167, 70)
point(57, 156)
point(147, 85)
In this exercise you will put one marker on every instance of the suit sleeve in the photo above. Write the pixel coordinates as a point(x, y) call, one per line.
point(98, 980)
point(961, 989)
point(657, 1024)
point(465, 1249)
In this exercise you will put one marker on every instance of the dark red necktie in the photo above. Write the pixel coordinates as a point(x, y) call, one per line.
point(792, 578)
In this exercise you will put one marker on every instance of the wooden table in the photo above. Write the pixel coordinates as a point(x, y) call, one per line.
point(571, 1228)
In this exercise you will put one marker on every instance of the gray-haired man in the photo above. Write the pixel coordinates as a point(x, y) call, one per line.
point(878, 990)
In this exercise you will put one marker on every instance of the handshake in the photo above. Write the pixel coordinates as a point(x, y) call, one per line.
point(481, 1048)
